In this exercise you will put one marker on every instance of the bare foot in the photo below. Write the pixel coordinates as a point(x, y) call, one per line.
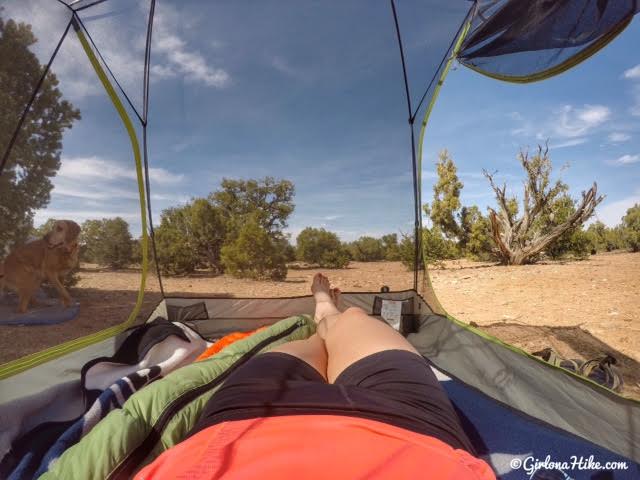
point(321, 289)
point(335, 296)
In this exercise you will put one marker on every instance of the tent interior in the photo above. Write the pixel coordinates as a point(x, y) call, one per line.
point(151, 114)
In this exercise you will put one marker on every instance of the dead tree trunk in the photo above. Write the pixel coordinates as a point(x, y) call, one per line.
point(516, 241)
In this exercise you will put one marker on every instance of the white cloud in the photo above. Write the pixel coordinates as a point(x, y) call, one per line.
point(80, 216)
point(633, 73)
point(83, 168)
point(569, 143)
point(122, 50)
point(635, 108)
point(627, 159)
point(611, 213)
point(574, 122)
point(567, 126)
point(618, 137)
point(93, 192)
point(164, 177)
point(177, 57)
point(285, 67)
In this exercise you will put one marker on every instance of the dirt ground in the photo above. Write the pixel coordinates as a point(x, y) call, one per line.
point(581, 309)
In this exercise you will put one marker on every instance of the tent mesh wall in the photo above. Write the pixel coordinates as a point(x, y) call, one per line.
point(78, 154)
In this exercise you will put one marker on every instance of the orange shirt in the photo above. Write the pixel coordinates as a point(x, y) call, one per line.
point(313, 447)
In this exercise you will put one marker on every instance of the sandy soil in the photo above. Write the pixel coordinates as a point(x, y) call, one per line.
point(581, 309)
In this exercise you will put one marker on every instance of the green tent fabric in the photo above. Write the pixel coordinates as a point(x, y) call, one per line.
point(160, 415)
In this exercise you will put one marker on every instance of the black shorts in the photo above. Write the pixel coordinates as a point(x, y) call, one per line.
point(395, 387)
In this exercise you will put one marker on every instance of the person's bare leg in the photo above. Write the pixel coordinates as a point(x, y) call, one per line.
point(312, 350)
point(351, 335)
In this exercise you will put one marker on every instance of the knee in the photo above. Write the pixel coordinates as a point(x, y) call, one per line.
point(355, 312)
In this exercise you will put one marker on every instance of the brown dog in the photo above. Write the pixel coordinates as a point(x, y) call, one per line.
point(50, 258)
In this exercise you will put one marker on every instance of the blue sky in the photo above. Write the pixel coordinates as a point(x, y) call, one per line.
point(312, 92)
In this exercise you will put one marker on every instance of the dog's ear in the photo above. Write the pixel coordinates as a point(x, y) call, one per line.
point(73, 231)
point(47, 237)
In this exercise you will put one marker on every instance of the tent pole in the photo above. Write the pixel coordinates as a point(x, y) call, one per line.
point(145, 121)
point(416, 195)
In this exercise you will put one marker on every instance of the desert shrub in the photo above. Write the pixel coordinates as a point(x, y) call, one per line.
point(475, 241)
point(607, 239)
point(615, 239)
point(254, 254)
point(391, 247)
point(406, 250)
point(320, 247)
point(136, 251)
point(597, 233)
point(190, 237)
point(176, 252)
point(288, 250)
point(631, 228)
point(576, 244)
point(367, 249)
point(107, 242)
point(436, 248)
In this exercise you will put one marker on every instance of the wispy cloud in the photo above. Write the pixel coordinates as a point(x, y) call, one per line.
point(567, 126)
point(80, 169)
point(572, 122)
point(569, 143)
point(285, 67)
point(627, 159)
point(178, 58)
point(80, 215)
point(122, 50)
point(633, 73)
point(635, 108)
point(93, 192)
point(619, 137)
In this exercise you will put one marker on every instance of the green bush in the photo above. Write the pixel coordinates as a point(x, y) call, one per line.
point(176, 253)
point(406, 251)
point(607, 239)
point(436, 248)
point(136, 251)
point(631, 228)
point(319, 247)
point(476, 241)
point(367, 249)
point(190, 237)
point(391, 247)
point(107, 242)
point(254, 254)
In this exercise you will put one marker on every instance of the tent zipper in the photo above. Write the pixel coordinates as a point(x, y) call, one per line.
point(128, 464)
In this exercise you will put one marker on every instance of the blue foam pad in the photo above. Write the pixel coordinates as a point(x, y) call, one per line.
point(507, 439)
point(46, 311)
